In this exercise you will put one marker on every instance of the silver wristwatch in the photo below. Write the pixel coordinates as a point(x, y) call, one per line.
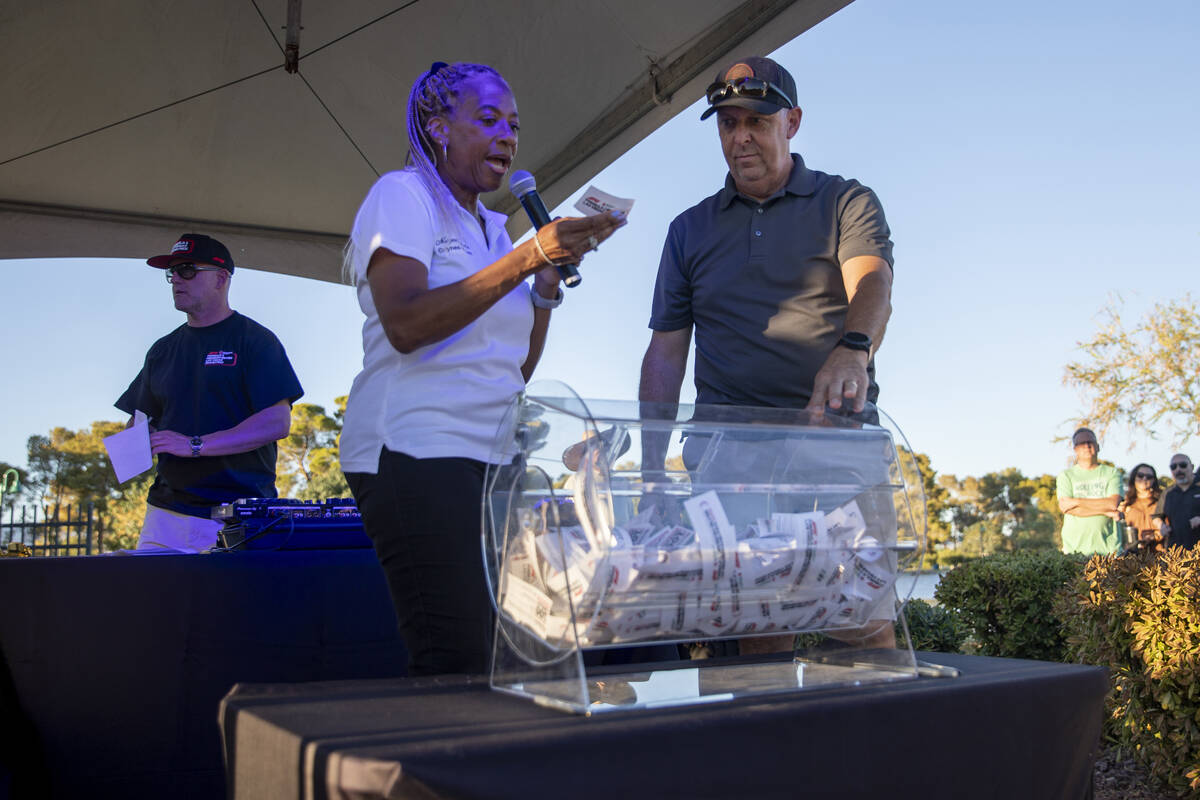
point(196, 442)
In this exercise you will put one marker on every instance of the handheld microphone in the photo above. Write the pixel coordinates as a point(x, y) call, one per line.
point(523, 185)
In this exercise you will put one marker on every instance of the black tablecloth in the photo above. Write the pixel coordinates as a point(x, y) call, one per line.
point(1005, 729)
point(118, 663)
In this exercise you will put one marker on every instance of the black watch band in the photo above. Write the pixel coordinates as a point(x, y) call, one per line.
point(855, 341)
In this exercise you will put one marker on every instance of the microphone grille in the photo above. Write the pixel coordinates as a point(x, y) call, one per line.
point(521, 183)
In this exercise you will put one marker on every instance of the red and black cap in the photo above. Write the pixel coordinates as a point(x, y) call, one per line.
point(196, 247)
point(779, 92)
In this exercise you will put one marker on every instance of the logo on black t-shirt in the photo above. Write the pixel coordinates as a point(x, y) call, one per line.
point(220, 358)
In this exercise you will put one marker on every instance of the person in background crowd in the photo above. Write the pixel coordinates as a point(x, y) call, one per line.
point(1088, 493)
point(218, 391)
point(1179, 506)
point(1141, 499)
point(453, 331)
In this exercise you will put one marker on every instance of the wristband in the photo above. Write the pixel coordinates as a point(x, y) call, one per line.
point(542, 302)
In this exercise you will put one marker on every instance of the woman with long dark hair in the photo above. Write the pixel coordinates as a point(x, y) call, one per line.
point(453, 332)
point(1141, 496)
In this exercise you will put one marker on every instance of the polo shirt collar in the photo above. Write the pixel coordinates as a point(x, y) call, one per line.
point(494, 220)
point(801, 183)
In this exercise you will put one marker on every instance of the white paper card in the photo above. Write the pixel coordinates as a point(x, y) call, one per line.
point(129, 450)
point(595, 201)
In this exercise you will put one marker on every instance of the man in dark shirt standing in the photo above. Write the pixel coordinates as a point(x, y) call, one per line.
point(218, 392)
point(785, 275)
point(1180, 505)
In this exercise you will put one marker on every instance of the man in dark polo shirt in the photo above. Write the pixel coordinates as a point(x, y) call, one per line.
point(1180, 505)
point(785, 274)
point(218, 391)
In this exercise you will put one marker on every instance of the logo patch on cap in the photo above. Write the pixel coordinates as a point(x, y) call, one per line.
point(182, 246)
point(739, 70)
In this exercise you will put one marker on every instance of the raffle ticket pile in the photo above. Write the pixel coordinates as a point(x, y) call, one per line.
point(642, 581)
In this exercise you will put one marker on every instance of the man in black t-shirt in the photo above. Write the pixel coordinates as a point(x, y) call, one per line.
point(218, 392)
point(1180, 505)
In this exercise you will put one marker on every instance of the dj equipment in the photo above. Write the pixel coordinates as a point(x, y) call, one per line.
point(286, 524)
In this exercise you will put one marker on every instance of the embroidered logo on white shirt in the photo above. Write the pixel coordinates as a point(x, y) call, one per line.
point(444, 245)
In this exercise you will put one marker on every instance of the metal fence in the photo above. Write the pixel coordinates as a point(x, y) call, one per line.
point(65, 531)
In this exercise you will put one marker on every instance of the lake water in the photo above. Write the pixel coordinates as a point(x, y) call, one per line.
point(923, 588)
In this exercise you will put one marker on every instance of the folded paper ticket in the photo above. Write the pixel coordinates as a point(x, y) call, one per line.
point(595, 201)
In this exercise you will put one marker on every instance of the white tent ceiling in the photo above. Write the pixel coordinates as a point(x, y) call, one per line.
point(127, 122)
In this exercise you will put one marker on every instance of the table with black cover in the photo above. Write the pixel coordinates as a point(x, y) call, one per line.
point(1004, 729)
point(112, 667)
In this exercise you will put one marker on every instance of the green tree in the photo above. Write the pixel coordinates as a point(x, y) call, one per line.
point(962, 502)
point(1005, 497)
point(935, 496)
point(126, 512)
point(307, 465)
point(1043, 526)
point(71, 468)
point(1143, 374)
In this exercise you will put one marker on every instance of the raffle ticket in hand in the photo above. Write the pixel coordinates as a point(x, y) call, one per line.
point(595, 201)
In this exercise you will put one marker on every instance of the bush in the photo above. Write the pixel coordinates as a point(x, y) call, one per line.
point(932, 628)
point(950, 558)
point(1006, 601)
point(1139, 615)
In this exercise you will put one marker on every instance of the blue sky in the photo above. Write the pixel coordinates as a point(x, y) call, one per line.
point(1033, 159)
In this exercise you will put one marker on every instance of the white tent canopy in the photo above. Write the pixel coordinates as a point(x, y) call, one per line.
point(130, 122)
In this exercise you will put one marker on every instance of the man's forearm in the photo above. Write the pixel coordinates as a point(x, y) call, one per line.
point(868, 283)
point(1089, 506)
point(256, 430)
point(663, 368)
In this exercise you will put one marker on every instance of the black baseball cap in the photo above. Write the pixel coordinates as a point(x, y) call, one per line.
point(781, 95)
point(196, 247)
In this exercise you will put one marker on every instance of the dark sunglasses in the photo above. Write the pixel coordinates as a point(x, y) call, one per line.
point(187, 270)
point(1144, 476)
point(1179, 466)
point(745, 87)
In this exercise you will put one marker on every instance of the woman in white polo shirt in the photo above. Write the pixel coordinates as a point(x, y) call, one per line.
point(453, 332)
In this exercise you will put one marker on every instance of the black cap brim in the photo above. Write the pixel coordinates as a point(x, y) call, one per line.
point(758, 106)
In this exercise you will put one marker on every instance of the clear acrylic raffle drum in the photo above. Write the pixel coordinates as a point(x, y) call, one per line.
point(615, 524)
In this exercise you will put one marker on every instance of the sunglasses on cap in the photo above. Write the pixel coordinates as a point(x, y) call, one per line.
point(187, 270)
point(1179, 465)
point(755, 88)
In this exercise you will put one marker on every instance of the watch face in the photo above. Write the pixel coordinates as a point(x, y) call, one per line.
point(854, 337)
point(856, 341)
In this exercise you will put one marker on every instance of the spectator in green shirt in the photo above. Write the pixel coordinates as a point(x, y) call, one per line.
point(1088, 493)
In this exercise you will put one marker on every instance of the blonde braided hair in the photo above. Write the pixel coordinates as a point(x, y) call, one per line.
point(435, 94)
